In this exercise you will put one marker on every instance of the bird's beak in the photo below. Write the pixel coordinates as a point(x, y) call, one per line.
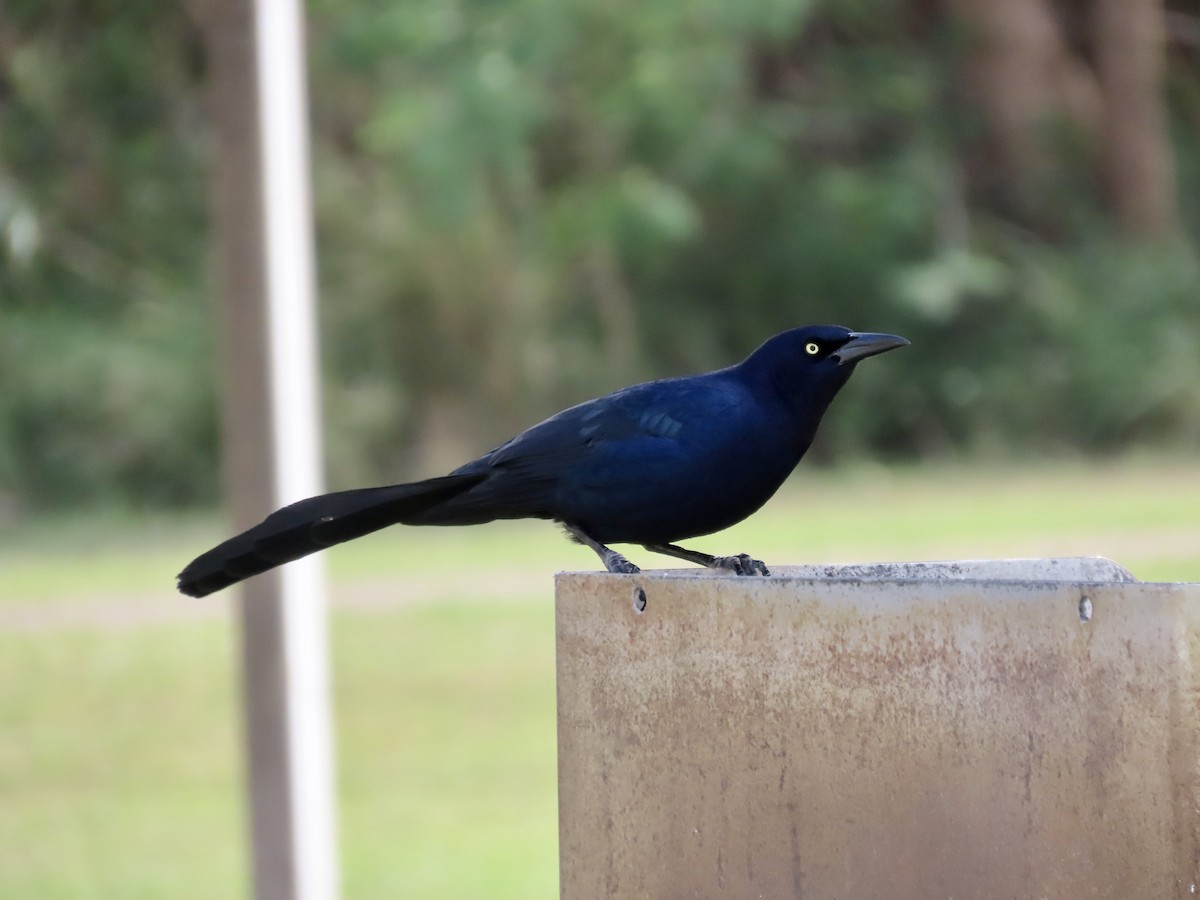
point(863, 344)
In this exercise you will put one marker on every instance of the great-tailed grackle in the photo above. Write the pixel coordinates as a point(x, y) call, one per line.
point(651, 464)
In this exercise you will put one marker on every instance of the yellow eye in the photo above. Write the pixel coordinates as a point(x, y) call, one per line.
point(811, 348)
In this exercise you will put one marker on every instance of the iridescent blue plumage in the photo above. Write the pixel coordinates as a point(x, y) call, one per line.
point(651, 464)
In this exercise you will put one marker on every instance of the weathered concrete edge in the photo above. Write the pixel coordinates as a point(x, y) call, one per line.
point(1077, 569)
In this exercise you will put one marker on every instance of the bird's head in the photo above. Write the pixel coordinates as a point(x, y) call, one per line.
point(807, 366)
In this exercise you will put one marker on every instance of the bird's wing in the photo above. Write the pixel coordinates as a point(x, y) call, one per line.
point(614, 443)
point(689, 459)
point(664, 418)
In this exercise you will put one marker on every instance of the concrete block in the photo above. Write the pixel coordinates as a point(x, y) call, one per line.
point(891, 733)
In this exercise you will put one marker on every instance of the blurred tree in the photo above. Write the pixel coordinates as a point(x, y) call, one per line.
point(523, 204)
point(105, 354)
point(1095, 66)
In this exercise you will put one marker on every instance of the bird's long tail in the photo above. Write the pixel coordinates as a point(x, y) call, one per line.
point(314, 524)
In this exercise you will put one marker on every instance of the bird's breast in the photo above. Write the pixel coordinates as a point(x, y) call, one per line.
point(664, 489)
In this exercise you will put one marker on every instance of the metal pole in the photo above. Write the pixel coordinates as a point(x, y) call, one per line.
point(272, 427)
point(295, 396)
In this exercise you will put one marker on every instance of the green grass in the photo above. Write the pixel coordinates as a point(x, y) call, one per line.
point(120, 767)
point(447, 747)
point(120, 771)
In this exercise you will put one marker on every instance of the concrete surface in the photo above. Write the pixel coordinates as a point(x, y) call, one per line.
point(878, 737)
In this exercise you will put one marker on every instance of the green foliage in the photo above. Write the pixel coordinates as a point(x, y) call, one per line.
point(105, 339)
point(95, 415)
point(523, 204)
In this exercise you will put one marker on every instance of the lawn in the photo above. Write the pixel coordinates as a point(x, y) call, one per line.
point(119, 725)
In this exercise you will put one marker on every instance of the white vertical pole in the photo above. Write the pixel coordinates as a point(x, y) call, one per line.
point(295, 419)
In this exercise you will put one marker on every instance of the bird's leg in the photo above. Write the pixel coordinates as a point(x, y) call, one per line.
point(739, 565)
point(613, 561)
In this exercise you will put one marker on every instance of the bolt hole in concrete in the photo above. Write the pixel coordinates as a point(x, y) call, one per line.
point(639, 600)
point(1085, 609)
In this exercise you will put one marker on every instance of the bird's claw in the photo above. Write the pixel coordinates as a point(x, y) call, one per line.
point(615, 562)
point(741, 564)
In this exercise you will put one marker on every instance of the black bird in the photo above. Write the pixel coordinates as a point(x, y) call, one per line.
point(651, 464)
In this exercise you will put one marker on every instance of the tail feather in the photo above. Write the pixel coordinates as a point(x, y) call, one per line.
point(314, 524)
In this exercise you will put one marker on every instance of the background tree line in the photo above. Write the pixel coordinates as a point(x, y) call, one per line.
point(522, 204)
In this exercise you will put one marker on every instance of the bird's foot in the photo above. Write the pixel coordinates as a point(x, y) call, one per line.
point(741, 564)
point(615, 562)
